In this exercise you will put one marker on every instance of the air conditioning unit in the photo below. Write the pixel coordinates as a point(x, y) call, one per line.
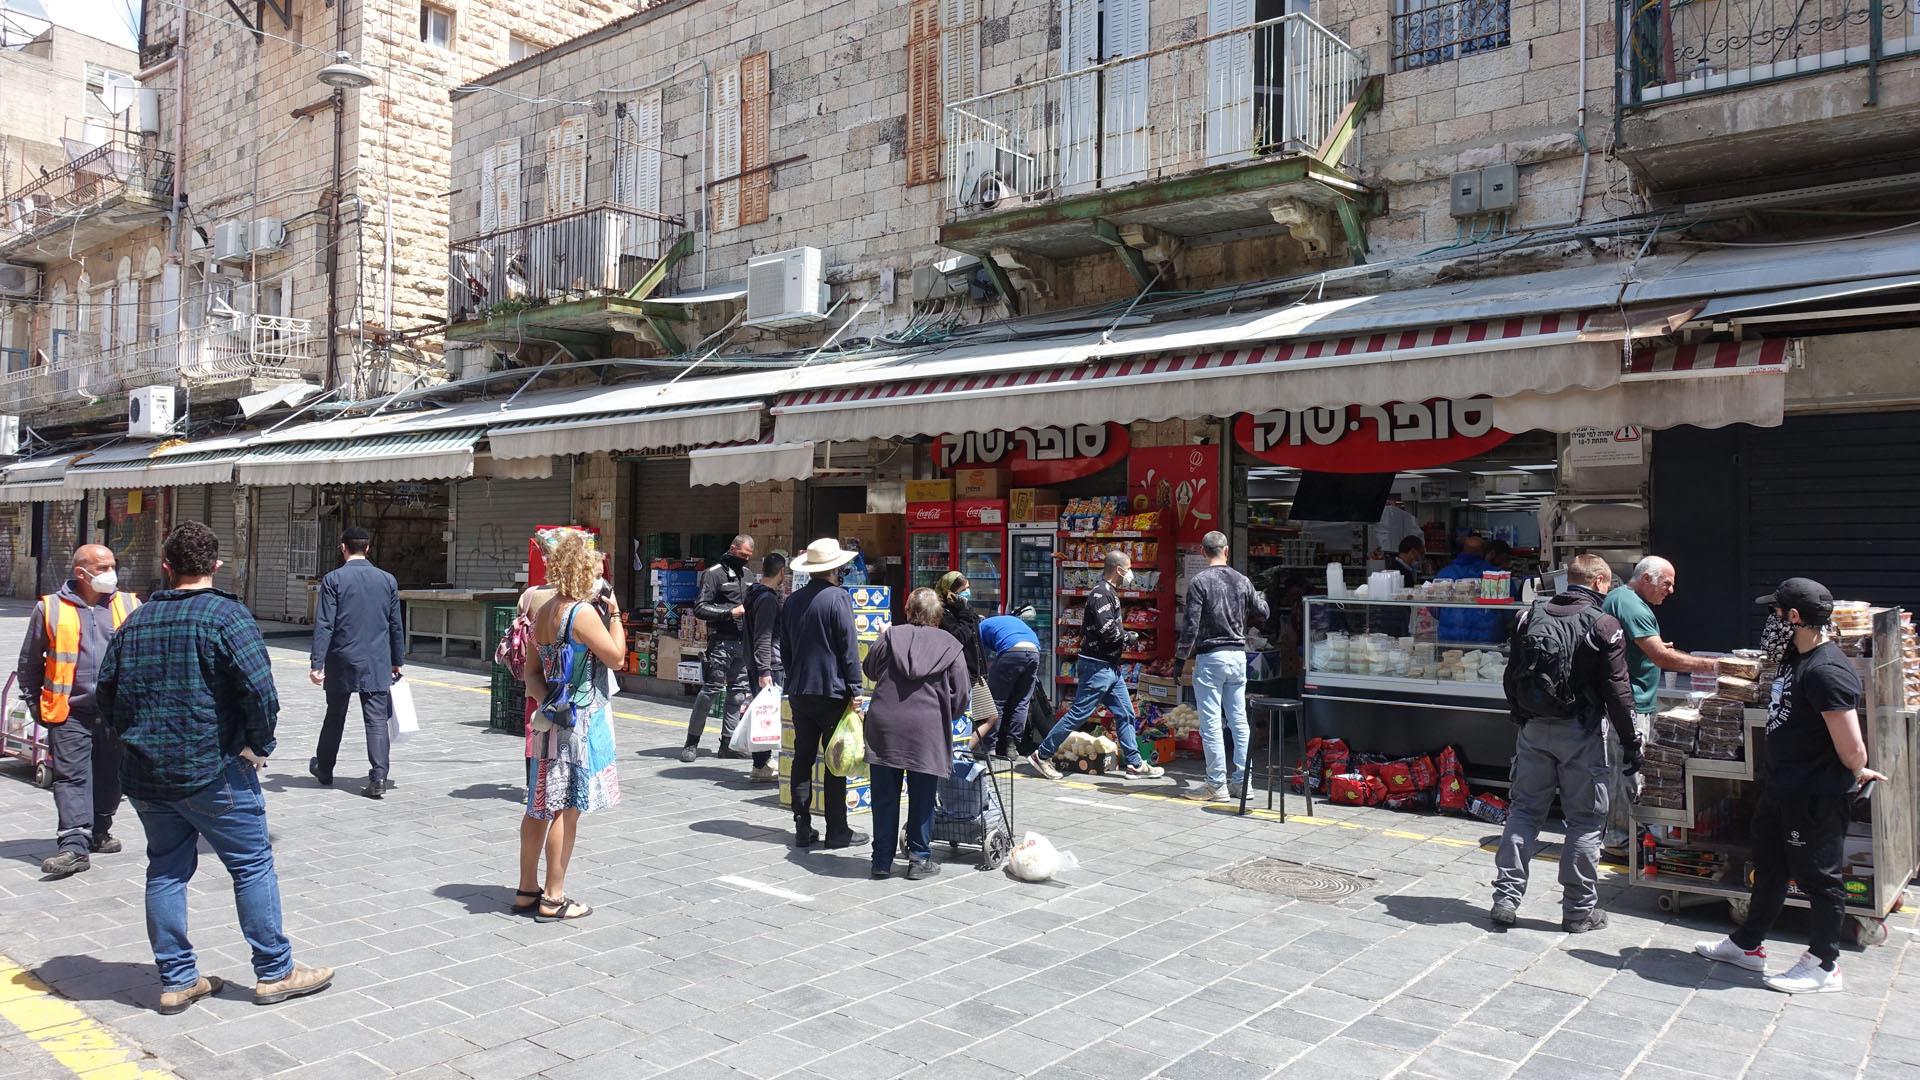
point(230, 242)
point(150, 411)
point(17, 280)
point(988, 177)
point(786, 288)
point(265, 236)
point(9, 436)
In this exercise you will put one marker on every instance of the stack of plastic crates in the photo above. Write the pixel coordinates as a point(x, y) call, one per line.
point(508, 710)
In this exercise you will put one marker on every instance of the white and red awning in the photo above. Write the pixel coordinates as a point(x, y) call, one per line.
point(1765, 356)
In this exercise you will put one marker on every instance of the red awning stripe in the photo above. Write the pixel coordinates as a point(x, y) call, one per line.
point(1359, 345)
point(1714, 356)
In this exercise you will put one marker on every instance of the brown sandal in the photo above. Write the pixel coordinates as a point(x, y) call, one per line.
point(529, 908)
point(563, 909)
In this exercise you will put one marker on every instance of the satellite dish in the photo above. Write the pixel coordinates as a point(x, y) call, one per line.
point(119, 93)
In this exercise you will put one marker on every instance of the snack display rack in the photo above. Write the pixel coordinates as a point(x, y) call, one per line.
point(1381, 674)
point(1147, 611)
point(1697, 852)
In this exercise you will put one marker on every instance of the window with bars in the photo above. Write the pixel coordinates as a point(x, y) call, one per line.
point(1428, 32)
point(303, 549)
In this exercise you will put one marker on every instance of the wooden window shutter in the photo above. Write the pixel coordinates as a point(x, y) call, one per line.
point(506, 183)
point(755, 152)
point(554, 171)
point(960, 50)
point(644, 236)
point(489, 189)
point(923, 92)
point(566, 189)
point(725, 198)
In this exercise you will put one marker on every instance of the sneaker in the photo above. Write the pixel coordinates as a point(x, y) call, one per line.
point(765, 774)
point(106, 845)
point(687, 754)
point(922, 868)
point(297, 983)
point(1594, 920)
point(374, 790)
point(1207, 793)
point(1237, 790)
point(66, 864)
point(1043, 767)
point(176, 1001)
point(729, 752)
point(852, 839)
point(1144, 771)
point(882, 875)
point(1505, 914)
point(1807, 977)
point(1727, 952)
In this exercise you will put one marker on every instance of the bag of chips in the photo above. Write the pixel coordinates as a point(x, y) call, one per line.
point(1347, 789)
point(1453, 782)
point(1398, 776)
point(1425, 777)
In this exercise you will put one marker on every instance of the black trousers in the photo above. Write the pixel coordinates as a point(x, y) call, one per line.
point(723, 670)
point(814, 719)
point(1802, 838)
point(376, 710)
point(86, 779)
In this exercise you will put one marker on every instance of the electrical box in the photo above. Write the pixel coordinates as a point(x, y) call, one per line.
point(150, 411)
point(1499, 188)
point(9, 436)
point(786, 288)
point(1465, 200)
point(17, 280)
point(266, 236)
point(230, 242)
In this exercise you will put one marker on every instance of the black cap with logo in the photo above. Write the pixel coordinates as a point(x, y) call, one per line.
point(1805, 595)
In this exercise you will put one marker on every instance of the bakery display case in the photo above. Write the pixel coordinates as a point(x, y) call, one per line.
point(1404, 676)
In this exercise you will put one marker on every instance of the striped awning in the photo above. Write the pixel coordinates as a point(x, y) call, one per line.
point(36, 480)
point(424, 455)
point(1500, 357)
point(630, 431)
point(166, 470)
point(1714, 358)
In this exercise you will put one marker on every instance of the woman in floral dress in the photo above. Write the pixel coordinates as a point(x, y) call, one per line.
point(570, 770)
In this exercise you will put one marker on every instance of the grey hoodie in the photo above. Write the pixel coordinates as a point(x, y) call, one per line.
point(919, 680)
point(96, 630)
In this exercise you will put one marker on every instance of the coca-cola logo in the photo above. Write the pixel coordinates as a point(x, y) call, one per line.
point(928, 513)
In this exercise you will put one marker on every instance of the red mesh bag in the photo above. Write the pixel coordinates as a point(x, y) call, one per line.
point(1425, 776)
point(1347, 789)
point(1334, 758)
point(1453, 782)
point(1398, 776)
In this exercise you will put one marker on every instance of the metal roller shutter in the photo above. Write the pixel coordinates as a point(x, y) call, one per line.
point(59, 535)
point(271, 535)
point(219, 518)
point(665, 501)
point(493, 521)
point(10, 544)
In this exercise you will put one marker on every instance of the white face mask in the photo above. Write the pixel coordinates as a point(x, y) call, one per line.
point(1126, 577)
point(106, 581)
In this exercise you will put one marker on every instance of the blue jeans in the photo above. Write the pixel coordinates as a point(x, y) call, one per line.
point(886, 813)
point(231, 814)
point(1010, 679)
point(1220, 693)
point(1100, 684)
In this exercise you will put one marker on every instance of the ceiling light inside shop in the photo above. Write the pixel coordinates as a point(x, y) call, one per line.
point(1537, 468)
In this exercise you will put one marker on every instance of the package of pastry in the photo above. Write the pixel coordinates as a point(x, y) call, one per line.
point(1751, 691)
point(1739, 667)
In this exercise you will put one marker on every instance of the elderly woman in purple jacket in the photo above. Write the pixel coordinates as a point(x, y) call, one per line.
point(919, 675)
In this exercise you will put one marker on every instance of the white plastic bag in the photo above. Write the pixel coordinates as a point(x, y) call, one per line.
point(1036, 859)
point(403, 722)
point(763, 719)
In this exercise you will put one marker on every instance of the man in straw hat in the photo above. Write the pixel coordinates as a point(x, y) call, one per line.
point(823, 681)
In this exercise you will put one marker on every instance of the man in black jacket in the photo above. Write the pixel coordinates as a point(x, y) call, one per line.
point(1104, 641)
point(1565, 676)
point(762, 622)
point(822, 654)
point(722, 605)
point(359, 645)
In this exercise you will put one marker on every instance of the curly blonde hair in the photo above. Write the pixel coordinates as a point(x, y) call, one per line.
point(573, 564)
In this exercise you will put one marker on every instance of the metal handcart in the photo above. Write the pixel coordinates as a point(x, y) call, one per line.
point(973, 809)
point(21, 737)
point(1701, 860)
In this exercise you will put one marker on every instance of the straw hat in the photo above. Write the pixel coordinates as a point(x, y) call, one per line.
point(821, 556)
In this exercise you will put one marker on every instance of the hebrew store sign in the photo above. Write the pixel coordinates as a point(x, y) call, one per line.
point(1372, 438)
point(1036, 457)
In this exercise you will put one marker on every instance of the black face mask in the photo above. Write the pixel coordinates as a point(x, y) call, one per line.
point(734, 562)
point(1776, 637)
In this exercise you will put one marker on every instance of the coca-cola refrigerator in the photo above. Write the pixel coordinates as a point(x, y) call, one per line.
point(980, 538)
point(929, 543)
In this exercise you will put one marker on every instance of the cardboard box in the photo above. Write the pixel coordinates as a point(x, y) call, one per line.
point(1048, 512)
point(929, 515)
point(1023, 501)
point(929, 491)
point(979, 484)
point(1159, 690)
point(1157, 751)
point(878, 534)
point(1091, 765)
point(980, 513)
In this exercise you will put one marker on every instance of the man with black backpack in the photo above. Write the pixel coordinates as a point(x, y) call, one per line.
point(1566, 673)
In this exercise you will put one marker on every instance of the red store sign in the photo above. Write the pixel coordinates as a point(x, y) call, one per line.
point(1036, 457)
point(1372, 438)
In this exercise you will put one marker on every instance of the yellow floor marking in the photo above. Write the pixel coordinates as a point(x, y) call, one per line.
point(76, 1040)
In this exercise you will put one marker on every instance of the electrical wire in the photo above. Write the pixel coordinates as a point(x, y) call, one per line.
point(1794, 243)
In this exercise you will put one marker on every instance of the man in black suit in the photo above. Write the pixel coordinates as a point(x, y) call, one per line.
point(358, 646)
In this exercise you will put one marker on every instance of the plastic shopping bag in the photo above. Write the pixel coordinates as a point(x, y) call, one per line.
point(1036, 859)
point(403, 723)
point(847, 750)
point(763, 719)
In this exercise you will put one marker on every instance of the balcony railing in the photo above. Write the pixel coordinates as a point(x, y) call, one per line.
point(1678, 48)
point(92, 181)
point(592, 252)
point(243, 346)
point(1277, 87)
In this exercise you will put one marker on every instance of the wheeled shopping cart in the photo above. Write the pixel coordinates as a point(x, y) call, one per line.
point(21, 737)
point(972, 809)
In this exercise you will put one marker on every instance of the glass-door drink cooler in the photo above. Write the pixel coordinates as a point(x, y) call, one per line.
point(1030, 581)
point(929, 556)
point(981, 528)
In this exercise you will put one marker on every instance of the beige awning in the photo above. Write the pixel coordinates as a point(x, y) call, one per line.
point(628, 432)
point(754, 464)
point(426, 455)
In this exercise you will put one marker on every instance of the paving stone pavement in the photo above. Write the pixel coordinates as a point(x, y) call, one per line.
point(1136, 964)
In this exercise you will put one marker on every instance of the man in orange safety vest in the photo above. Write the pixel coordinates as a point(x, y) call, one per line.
point(67, 635)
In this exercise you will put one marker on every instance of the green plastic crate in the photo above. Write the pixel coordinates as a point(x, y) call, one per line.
point(506, 710)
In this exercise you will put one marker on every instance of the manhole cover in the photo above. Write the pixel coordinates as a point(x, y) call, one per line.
point(1292, 879)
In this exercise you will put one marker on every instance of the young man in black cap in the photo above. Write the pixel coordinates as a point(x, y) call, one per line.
point(1815, 758)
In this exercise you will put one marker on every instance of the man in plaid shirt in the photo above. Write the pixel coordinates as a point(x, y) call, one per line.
point(187, 686)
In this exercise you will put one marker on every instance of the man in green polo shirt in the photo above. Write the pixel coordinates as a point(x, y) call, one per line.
point(1648, 654)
